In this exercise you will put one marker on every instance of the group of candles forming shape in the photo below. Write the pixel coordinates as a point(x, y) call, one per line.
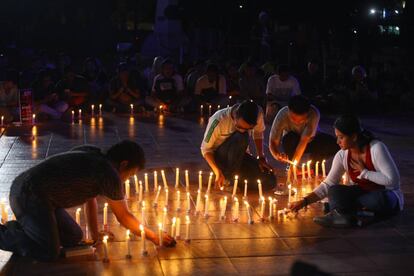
point(142, 188)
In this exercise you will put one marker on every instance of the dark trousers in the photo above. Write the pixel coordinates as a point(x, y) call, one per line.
point(350, 199)
point(232, 159)
point(40, 230)
point(322, 146)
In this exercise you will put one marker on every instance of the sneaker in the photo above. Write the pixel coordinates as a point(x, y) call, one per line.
point(334, 219)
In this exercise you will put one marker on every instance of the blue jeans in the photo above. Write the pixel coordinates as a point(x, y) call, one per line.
point(39, 230)
point(350, 199)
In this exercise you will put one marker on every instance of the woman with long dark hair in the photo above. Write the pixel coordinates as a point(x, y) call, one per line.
point(374, 178)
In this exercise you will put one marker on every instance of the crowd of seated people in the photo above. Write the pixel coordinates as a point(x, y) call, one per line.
point(64, 85)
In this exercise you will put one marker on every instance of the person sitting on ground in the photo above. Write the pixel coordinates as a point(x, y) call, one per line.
point(123, 91)
point(295, 128)
point(39, 196)
point(362, 95)
point(251, 85)
point(46, 101)
point(374, 178)
point(226, 140)
point(73, 89)
point(193, 75)
point(211, 87)
point(9, 96)
point(280, 88)
point(167, 89)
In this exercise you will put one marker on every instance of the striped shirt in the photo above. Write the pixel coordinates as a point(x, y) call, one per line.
point(69, 179)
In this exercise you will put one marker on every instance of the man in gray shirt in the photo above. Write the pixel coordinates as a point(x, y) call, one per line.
point(295, 128)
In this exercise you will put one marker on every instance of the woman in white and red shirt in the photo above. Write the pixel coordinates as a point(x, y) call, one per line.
point(374, 177)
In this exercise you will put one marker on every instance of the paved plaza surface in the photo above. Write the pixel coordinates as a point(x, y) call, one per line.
point(218, 246)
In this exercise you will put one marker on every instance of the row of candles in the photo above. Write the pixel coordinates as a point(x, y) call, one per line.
point(2, 120)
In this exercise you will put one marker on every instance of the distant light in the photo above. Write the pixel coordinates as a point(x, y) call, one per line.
point(241, 6)
point(403, 4)
point(396, 12)
point(397, 28)
point(355, 31)
point(372, 11)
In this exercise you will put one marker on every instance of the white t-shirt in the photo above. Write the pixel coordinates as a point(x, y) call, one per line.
point(203, 84)
point(386, 172)
point(282, 91)
point(282, 124)
point(221, 125)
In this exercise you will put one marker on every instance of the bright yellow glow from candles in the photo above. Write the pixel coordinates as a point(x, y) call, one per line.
point(141, 227)
point(34, 130)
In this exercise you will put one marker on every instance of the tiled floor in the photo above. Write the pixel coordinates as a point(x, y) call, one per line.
point(218, 246)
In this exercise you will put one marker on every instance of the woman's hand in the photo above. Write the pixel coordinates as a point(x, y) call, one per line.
point(357, 165)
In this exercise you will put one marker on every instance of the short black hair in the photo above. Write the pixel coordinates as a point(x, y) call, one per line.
point(167, 61)
point(299, 104)
point(212, 67)
point(248, 111)
point(127, 150)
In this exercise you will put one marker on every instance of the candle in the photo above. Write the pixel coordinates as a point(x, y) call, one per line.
point(274, 204)
point(166, 197)
point(143, 213)
point(288, 173)
point(144, 251)
point(209, 110)
point(317, 169)
point(105, 217)
point(223, 207)
point(2, 120)
point(270, 207)
point(160, 234)
point(136, 184)
point(344, 178)
point(210, 179)
point(146, 182)
point(105, 243)
point(33, 119)
point(78, 213)
point(177, 228)
point(236, 209)
point(201, 110)
point(295, 191)
point(73, 116)
point(200, 180)
point(127, 190)
point(178, 200)
point(303, 172)
point(100, 110)
point(132, 109)
point(155, 181)
point(164, 218)
point(188, 203)
point(262, 208)
point(187, 182)
point(198, 202)
point(174, 220)
point(295, 176)
point(259, 185)
point(206, 207)
point(155, 204)
point(323, 169)
point(289, 193)
point(80, 114)
point(249, 212)
point(92, 110)
point(177, 177)
point(85, 215)
point(245, 188)
point(140, 194)
point(164, 179)
point(128, 240)
point(187, 228)
point(218, 107)
point(309, 169)
point(236, 180)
